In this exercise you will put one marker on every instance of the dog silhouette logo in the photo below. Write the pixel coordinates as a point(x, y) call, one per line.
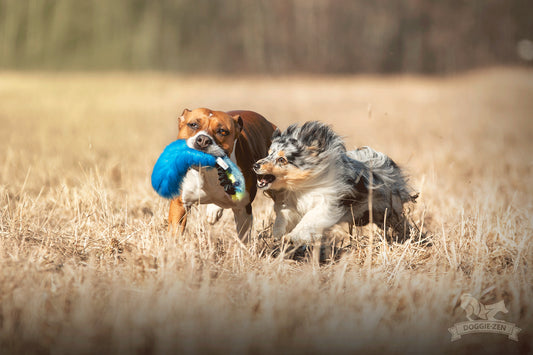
point(482, 319)
point(475, 308)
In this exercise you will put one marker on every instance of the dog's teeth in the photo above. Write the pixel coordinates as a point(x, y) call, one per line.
point(262, 183)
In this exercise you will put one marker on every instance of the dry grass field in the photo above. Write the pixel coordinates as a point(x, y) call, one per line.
point(87, 265)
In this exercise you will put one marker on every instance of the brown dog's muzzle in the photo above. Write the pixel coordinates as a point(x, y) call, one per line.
point(203, 141)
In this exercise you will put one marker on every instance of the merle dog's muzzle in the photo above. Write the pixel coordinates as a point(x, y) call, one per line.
point(263, 180)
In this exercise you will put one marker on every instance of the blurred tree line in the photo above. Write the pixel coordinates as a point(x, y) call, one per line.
point(258, 36)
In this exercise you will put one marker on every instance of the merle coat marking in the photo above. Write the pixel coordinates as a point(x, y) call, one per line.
point(316, 183)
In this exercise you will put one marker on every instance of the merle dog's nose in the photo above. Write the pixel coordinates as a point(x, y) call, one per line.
point(256, 166)
point(203, 141)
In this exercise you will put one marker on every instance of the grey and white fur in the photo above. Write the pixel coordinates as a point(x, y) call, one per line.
point(316, 183)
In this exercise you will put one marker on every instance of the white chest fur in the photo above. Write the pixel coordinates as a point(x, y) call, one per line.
point(302, 202)
point(202, 186)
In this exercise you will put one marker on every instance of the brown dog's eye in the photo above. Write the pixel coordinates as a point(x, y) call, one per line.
point(223, 132)
point(281, 161)
point(193, 125)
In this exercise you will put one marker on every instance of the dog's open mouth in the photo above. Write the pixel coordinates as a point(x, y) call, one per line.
point(264, 180)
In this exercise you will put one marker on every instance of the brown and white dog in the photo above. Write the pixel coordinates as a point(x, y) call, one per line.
point(244, 136)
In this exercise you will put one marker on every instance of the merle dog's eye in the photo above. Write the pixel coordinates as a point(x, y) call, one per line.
point(281, 161)
point(193, 125)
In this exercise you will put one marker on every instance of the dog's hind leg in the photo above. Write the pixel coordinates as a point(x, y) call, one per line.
point(177, 216)
point(243, 221)
point(401, 228)
point(388, 213)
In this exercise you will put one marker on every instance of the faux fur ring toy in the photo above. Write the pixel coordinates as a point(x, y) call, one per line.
point(177, 158)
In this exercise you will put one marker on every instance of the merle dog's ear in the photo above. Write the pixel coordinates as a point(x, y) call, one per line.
point(276, 134)
point(183, 114)
point(316, 136)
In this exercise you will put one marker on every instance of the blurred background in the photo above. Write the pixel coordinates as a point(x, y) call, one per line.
point(90, 92)
point(265, 36)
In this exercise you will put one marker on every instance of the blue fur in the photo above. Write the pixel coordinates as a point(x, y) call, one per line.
point(173, 164)
point(236, 178)
point(177, 159)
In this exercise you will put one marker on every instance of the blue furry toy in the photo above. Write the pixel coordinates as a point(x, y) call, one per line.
point(173, 164)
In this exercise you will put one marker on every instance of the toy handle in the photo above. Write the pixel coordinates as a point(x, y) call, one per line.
point(224, 181)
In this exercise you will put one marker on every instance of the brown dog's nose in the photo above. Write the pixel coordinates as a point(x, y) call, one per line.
point(203, 141)
point(256, 166)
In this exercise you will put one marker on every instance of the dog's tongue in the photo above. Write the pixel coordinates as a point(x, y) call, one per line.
point(261, 183)
point(264, 180)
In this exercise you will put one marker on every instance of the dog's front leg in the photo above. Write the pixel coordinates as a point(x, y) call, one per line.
point(285, 217)
point(314, 222)
point(213, 213)
point(280, 224)
point(243, 221)
point(177, 216)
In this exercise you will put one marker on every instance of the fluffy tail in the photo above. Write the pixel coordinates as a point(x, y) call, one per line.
point(390, 189)
point(386, 173)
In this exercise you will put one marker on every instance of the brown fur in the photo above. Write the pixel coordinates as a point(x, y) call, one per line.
point(252, 133)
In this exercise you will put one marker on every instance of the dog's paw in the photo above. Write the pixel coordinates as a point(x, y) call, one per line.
point(297, 238)
point(303, 236)
point(213, 213)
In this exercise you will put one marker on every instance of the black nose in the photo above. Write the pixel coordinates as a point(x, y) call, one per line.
point(256, 166)
point(203, 141)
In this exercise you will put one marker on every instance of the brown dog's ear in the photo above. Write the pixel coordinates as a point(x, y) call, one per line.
point(238, 124)
point(182, 117)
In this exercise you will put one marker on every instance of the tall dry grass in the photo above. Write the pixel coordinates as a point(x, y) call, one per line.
point(87, 266)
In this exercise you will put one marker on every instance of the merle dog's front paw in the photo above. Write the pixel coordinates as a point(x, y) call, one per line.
point(303, 237)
